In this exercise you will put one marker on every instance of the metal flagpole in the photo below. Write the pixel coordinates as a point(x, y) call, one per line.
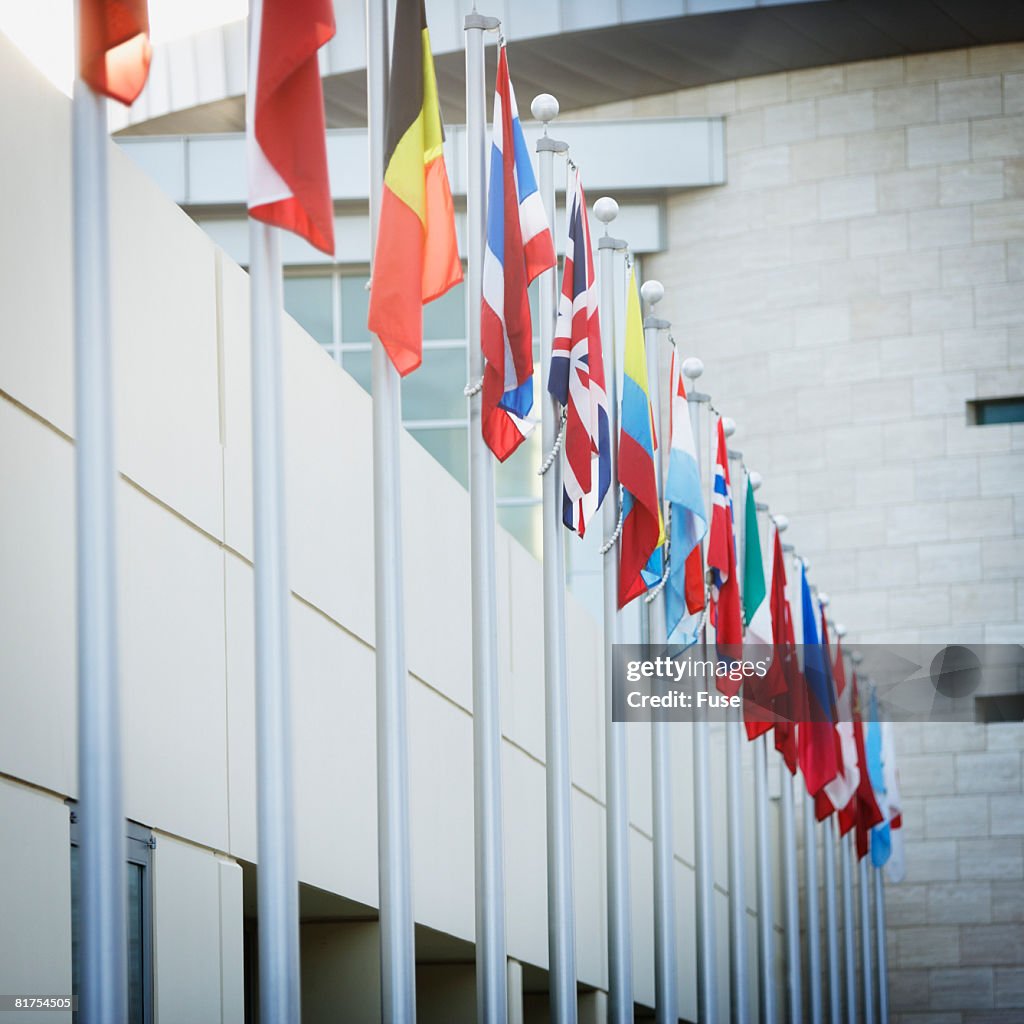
point(101, 814)
point(704, 875)
point(880, 938)
point(397, 943)
point(831, 919)
point(813, 909)
point(865, 943)
point(738, 969)
point(849, 950)
point(765, 903)
point(791, 891)
point(620, 954)
point(491, 969)
point(561, 911)
point(666, 1000)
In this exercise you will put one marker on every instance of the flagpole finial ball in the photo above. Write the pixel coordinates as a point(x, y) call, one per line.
point(755, 480)
point(652, 292)
point(823, 599)
point(728, 426)
point(781, 522)
point(544, 107)
point(840, 630)
point(605, 209)
point(856, 657)
point(693, 367)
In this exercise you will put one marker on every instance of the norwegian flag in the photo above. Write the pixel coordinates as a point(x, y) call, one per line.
point(725, 594)
point(576, 378)
point(519, 248)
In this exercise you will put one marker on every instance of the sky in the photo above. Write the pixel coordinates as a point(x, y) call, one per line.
point(43, 29)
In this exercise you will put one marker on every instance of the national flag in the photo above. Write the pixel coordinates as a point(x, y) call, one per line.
point(815, 737)
point(895, 869)
point(868, 813)
point(576, 378)
point(841, 789)
point(416, 259)
point(285, 128)
point(881, 834)
point(643, 530)
point(725, 595)
point(114, 51)
point(519, 248)
point(756, 610)
point(689, 517)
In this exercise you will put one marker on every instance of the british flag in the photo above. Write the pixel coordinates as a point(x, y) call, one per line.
point(576, 377)
point(519, 248)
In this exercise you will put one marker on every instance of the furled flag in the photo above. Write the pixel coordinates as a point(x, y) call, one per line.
point(519, 248)
point(577, 375)
point(114, 48)
point(643, 530)
point(285, 133)
point(895, 868)
point(758, 691)
point(787, 683)
point(816, 737)
point(868, 813)
point(881, 834)
point(417, 257)
point(689, 517)
point(725, 593)
point(839, 792)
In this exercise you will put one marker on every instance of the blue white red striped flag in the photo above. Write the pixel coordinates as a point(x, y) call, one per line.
point(576, 378)
point(519, 248)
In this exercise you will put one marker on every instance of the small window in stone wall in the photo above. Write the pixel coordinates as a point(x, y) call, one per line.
point(987, 412)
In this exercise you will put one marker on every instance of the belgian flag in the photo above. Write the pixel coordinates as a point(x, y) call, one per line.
point(416, 258)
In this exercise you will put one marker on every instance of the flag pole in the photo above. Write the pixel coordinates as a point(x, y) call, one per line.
point(561, 913)
point(620, 954)
point(865, 943)
point(880, 938)
point(831, 919)
point(491, 969)
point(397, 942)
point(101, 812)
point(813, 909)
point(738, 968)
point(765, 902)
point(849, 949)
point(666, 998)
point(707, 953)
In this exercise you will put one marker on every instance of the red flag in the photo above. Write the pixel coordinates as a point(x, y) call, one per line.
point(868, 814)
point(786, 679)
point(725, 592)
point(113, 47)
point(285, 126)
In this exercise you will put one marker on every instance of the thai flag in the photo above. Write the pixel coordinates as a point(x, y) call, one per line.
point(576, 378)
point(519, 248)
point(725, 593)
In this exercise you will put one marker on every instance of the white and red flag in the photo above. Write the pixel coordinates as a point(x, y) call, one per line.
point(576, 377)
point(285, 126)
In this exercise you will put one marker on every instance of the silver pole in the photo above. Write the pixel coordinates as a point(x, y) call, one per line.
point(831, 920)
point(813, 910)
point(865, 943)
point(491, 970)
point(561, 913)
point(704, 874)
point(794, 982)
point(738, 967)
point(397, 943)
point(883, 957)
point(101, 814)
point(849, 950)
point(765, 909)
point(666, 998)
point(620, 953)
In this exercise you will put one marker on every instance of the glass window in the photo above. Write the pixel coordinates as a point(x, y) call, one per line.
point(450, 446)
point(355, 305)
point(524, 523)
point(359, 364)
point(986, 412)
point(517, 477)
point(308, 300)
point(444, 319)
point(436, 390)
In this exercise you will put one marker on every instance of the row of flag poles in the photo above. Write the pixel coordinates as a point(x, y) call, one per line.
point(683, 533)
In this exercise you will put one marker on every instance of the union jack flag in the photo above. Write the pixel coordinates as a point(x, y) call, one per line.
point(576, 378)
point(519, 248)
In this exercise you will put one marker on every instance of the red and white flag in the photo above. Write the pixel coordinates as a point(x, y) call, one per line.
point(285, 126)
point(113, 47)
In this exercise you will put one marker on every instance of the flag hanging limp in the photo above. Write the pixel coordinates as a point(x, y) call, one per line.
point(416, 259)
point(114, 48)
point(285, 126)
point(576, 378)
point(519, 248)
point(725, 594)
point(643, 530)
